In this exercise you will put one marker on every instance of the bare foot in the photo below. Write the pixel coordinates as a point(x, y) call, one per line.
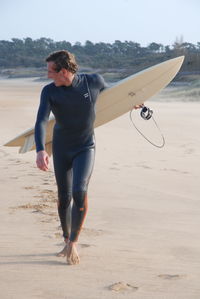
point(72, 254)
point(63, 252)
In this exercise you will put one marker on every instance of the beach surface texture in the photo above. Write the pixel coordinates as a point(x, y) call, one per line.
point(141, 235)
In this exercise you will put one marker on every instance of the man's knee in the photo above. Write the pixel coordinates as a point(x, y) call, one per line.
point(64, 200)
point(80, 199)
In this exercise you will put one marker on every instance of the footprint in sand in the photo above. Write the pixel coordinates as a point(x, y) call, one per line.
point(84, 245)
point(18, 162)
point(122, 286)
point(175, 170)
point(92, 232)
point(143, 165)
point(32, 174)
point(29, 187)
point(46, 221)
point(3, 153)
point(128, 166)
point(14, 177)
point(170, 276)
point(35, 207)
point(114, 168)
point(189, 151)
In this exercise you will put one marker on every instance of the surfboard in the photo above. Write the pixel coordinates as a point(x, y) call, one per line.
point(114, 101)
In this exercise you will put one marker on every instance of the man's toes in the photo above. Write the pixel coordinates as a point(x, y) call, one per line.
point(61, 254)
point(73, 260)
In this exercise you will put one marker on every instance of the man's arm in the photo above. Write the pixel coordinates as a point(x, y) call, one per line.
point(44, 110)
point(101, 82)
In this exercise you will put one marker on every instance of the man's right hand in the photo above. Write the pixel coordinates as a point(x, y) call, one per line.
point(42, 160)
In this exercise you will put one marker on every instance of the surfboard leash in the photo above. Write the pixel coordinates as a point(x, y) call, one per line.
point(147, 114)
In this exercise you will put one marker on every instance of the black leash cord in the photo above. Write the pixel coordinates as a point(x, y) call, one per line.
point(146, 114)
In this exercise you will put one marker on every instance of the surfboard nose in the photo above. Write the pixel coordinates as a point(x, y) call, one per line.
point(177, 61)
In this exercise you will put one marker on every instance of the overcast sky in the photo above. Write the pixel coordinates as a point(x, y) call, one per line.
point(142, 21)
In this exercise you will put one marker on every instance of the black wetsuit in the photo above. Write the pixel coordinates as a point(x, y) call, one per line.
point(73, 143)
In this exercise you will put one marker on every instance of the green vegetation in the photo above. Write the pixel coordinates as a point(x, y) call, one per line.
point(116, 60)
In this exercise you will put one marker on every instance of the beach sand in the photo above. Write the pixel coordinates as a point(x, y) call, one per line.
point(141, 235)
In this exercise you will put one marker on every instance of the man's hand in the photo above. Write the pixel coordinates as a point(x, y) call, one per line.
point(138, 106)
point(42, 160)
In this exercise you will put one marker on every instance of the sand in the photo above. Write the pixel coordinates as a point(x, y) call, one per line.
point(141, 235)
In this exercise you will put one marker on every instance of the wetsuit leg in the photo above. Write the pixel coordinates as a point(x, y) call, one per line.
point(63, 174)
point(82, 169)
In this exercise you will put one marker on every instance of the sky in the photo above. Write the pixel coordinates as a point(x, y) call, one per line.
point(141, 21)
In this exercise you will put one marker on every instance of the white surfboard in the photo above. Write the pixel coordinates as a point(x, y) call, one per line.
point(116, 100)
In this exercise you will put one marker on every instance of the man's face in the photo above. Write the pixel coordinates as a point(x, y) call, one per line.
point(58, 77)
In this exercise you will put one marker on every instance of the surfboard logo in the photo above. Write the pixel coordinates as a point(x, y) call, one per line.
point(132, 94)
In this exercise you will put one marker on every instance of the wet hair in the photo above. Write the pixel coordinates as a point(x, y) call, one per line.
point(63, 59)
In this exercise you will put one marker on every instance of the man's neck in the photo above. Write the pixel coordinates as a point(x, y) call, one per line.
point(69, 80)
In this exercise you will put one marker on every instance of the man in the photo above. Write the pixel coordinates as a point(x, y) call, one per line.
point(71, 98)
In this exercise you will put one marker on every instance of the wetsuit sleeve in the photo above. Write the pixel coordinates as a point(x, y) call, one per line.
point(100, 82)
point(42, 118)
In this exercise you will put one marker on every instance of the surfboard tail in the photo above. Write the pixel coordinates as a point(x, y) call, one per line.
point(28, 144)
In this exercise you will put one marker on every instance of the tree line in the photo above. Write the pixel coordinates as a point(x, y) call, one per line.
point(123, 55)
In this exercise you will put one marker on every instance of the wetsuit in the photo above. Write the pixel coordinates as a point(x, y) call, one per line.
point(73, 144)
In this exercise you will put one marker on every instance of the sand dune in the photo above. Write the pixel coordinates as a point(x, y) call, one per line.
point(141, 235)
